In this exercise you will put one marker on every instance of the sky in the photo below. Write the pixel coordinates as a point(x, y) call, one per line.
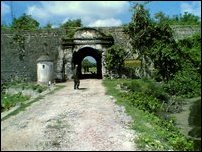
point(92, 13)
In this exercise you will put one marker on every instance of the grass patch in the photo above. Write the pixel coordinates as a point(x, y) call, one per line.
point(27, 85)
point(8, 101)
point(154, 133)
point(23, 106)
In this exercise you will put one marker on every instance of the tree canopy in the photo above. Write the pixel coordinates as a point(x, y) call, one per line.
point(185, 19)
point(25, 22)
point(87, 63)
point(115, 56)
point(155, 44)
point(72, 23)
point(48, 26)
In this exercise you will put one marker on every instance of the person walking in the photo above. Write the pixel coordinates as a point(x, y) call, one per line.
point(76, 77)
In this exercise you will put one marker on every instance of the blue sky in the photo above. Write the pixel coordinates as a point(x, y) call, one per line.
point(92, 13)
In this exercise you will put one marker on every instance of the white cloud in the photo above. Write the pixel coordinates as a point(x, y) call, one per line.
point(88, 11)
point(37, 12)
point(106, 22)
point(5, 9)
point(193, 7)
point(55, 26)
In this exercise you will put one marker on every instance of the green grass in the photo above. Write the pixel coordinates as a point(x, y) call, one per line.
point(23, 106)
point(153, 132)
point(8, 101)
point(27, 85)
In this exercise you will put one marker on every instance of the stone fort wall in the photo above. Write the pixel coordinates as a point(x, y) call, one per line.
point(40, 42)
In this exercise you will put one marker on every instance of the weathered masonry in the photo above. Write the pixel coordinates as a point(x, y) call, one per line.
point(86, 42)
point(20, 51)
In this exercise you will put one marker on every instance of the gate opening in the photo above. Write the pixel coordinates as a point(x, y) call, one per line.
point(88, 69)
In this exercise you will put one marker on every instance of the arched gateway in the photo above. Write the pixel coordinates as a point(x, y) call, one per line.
point(86, 42)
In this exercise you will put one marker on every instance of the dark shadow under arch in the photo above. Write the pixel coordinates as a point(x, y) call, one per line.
point(81, 54)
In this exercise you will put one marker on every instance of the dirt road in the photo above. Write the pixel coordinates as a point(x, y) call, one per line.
point(69, 119)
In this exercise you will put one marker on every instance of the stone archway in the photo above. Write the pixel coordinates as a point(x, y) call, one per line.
point(86, 42)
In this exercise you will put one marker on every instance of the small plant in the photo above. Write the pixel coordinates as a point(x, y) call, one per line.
point(8, 101)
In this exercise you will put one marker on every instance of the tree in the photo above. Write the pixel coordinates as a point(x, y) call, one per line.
point(115, 56)
point(48, 26)
point(70, 26)
point(186, 19)
point(72, 23)
point(4, 27)
point(86, 64)
point(155, 45)
point(189, 19)
point(161, 17)
point(25, 22)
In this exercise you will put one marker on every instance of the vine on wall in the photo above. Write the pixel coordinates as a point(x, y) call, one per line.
point(19, 41)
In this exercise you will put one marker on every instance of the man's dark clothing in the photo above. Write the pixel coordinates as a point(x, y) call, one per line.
point(76, 78)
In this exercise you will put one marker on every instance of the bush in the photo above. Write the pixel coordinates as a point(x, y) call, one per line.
point(115, 56)
point(186, 83)
point(148, 87)
point(130, 72)
point(144, 102)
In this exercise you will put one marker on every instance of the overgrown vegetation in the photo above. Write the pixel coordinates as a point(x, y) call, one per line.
point(115, 56)
point(23, 106)
point(71, 26)
point(18, 41)
point(155, 44)
point(177, 71)
point(178, 63)
point(11, 100)
point(185, 19)
point(72, 23)
point(25, 22)
point(8, 101)
point(176, 74)
point(187, 81)
point(143, 102)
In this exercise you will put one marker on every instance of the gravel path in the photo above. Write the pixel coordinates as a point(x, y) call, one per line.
point(68, 119)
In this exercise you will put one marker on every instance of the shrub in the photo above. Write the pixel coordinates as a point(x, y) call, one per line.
point(144, 102)
point(148, 87)
point(115, 56)
point(186, 83)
